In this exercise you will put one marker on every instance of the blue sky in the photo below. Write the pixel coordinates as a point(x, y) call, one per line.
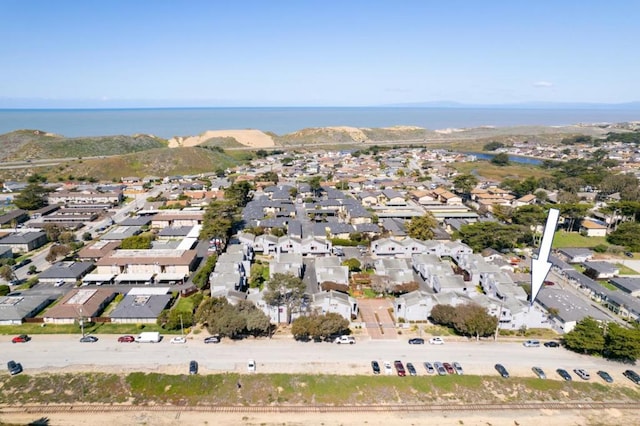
point(316, 53)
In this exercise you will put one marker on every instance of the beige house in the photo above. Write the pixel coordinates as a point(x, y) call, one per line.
point(591, 228)
point(146, 266)
point(79, 303)
point(167, 218)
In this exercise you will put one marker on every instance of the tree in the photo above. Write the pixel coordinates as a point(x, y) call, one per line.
point(622, 343)
point(6, 272)
point(314, 184)
point(4, 289)
point(268, 177)
point(57, 251)
point(301, 328)
point(201, 277)
point(53, 232)
point(87, 236)
point(529, 215)
point(421, 227)
point(140, 242)
point(501, 159)
point(474, 320)
point(586, 337)
point(492, 146)
point(285, 290)
point(465, 183)
point(353, 264)
point(443, 314)
point(481, 235)
point(32, 197)
point(319, 327)
point(257, 321)
point(238, 193)
point(627, 234)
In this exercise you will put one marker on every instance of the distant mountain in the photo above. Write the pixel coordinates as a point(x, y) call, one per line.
point(635, 105)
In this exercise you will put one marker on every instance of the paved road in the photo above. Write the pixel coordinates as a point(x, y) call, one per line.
point(282, 354)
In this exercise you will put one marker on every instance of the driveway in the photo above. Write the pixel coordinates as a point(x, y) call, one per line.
point(376, 317)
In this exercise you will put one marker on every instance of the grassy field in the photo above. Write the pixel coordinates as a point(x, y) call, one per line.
point(625, 270)
point(573, 239)
point(97, 328)
point(263, 389)
point(493, 172)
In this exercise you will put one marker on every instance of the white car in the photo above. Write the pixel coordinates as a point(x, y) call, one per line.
point(436, 341)
point(251, 366)
point(179, 339)
point(388, 369)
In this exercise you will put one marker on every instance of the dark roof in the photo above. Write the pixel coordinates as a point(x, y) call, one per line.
point(67, 270)
point(136, 221)
point(141, 306)
point(22, 238)
point(629, 284)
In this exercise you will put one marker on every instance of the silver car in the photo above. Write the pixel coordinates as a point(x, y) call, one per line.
point(458, 368)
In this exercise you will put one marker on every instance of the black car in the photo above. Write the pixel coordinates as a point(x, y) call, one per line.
point(605, 376)
point(375, 367)
point(628, 254)
point(14, 367)
point(193, 367)
point(416, 341)
point(551, 344)
point(564, 374)
point(212, 339)
point(632, 375)
point(411, 369)
point(503, 371)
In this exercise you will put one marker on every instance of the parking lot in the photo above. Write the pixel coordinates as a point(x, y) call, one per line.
point(50, 353)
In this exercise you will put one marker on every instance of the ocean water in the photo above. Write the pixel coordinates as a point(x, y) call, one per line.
point(169, 122)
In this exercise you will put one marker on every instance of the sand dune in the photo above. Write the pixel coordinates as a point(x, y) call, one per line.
point(251, 138)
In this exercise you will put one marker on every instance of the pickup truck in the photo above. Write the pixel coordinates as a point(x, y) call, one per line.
point(345, 339)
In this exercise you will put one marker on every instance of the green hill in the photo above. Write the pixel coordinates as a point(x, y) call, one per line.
point(35, 144)
point(158, 162)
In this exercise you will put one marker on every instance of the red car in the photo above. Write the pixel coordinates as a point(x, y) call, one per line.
point(400, 368)
point(126, 339)
point(449, 368)
point(23, 338)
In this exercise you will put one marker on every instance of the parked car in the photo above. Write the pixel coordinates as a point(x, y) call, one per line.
point(126, 339)
point(59, 283)
point(375, 367)
point(416, 341)
point(193, 367)
point(251, 366)
point(399, 368)
point(212, 339)
point(449, 368)
point(583, 374)
point(387, 368)
point(436, 341)
point(564, 374)
point(458, 368)
point(345, 340)
point(532, 343)
point(411, 369)
point(502, 370)
point(440, 368)
point(88, 339)
point(23, 338)
point(429, 367)
point(179, 339)
point(605, 376)
point(538, 371)
point(628, 254)
point(14, 367)
point(552, 344)
point(632, 375)
point(549, 283)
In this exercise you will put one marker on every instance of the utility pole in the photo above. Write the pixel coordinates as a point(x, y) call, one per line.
point(82, 322)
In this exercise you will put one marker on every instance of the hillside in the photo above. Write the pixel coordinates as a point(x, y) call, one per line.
point(157, 162)
point(35, 144)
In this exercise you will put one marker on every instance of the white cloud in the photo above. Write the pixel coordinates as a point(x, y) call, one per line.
point(542, 84)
